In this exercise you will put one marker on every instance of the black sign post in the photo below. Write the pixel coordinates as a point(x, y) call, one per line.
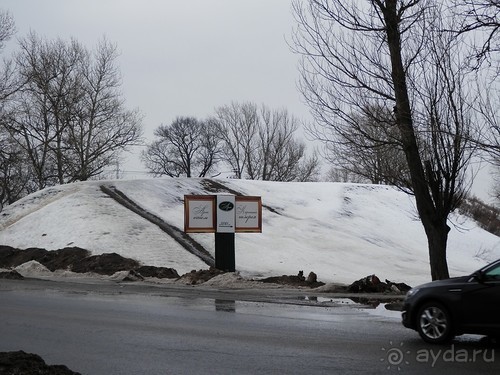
point(224, 252)
point(224, 234)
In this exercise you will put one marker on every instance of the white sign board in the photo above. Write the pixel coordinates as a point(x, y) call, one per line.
point(199, 211)
point(225, 214)
point(248, 214)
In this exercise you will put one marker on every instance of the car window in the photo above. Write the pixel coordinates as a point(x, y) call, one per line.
point(493, 273)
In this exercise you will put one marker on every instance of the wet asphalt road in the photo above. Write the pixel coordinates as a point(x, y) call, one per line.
point(112, 329)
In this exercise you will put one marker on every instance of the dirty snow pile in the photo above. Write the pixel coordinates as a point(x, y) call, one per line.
point(342, 232)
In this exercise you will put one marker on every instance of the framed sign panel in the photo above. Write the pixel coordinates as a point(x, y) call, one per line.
point(248, 214)
point(199, 213)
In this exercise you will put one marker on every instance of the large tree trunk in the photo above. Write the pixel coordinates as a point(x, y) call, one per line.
point(435, 229)
point(437, 237)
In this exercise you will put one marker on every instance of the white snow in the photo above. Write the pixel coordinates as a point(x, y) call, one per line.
point(342, 232)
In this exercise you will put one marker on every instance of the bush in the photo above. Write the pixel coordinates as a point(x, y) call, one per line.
point(488, 217)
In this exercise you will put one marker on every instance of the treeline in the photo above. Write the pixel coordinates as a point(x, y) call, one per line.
point(62, 114)
point(255, 142)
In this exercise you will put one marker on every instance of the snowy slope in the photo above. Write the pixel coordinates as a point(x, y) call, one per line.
point(340, 231)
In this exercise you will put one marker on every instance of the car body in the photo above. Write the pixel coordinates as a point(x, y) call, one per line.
point(442, 309)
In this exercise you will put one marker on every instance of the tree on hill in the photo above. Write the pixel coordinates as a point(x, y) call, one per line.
point(261, 144)
point(368, 150)
point(69, 117)
point(396, 56)
point(13, 174)
point(187, 147)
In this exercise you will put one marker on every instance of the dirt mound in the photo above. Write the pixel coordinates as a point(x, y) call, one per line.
point(53, 260)
point(158, 272)
point(372, 284)
point(12, 275)
point(78, 260)
point(17, 363)
point(104, 264)
point(298, 280)
point(199, 277)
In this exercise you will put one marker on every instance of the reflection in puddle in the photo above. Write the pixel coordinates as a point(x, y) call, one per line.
point(225, 305)
point(361, 302)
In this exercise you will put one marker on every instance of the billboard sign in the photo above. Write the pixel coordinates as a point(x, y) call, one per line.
point(222, 214)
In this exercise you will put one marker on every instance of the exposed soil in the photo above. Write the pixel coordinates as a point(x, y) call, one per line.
point(12, 275)
point(199, 277)
point(78, 260)
point(21, 363)
point(298, 280)
point(81, 261)
point(372, 284)
point(53, 260)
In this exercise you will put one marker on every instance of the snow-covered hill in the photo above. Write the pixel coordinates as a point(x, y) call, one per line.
point(340, 231)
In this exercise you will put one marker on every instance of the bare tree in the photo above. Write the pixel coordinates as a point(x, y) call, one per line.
point(7, 27)
point(15, 173)
point(482, 19)
point(280, 156)
point(260, 144)
point(371, 150)
point(188, 147)
point(101, 126)
point(480, 23)
point(46, 104)
point(237, 126)
point(8, 156)
point(380, 54)
point(69, 115)
point(7, 83)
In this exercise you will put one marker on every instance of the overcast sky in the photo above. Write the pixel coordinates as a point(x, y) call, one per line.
point(181, 57)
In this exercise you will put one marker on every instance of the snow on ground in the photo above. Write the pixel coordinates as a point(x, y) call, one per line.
point(342, 232)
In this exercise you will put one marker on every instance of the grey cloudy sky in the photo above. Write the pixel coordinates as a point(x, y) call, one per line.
point(181, 57)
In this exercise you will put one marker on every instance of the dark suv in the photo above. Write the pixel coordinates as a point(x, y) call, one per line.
point(442, 309)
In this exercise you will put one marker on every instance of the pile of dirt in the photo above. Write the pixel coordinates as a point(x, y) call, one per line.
point(11, 275)
point(199, 277)
point(372, 284)
point(16, 363)
point(158, 272)
point(299, 280)
point(125, 269)
point(80, 261)
point(104, 264)
point(53, 260)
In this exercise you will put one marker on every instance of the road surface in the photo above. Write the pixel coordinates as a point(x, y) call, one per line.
point(116, 329)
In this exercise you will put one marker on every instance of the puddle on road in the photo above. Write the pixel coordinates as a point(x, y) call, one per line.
point(384, 309)
point(362, 302)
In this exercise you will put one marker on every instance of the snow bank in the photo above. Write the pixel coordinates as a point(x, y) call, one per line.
point(339, 231)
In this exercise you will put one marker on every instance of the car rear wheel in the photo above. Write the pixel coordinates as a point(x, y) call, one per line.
point(434, 323)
